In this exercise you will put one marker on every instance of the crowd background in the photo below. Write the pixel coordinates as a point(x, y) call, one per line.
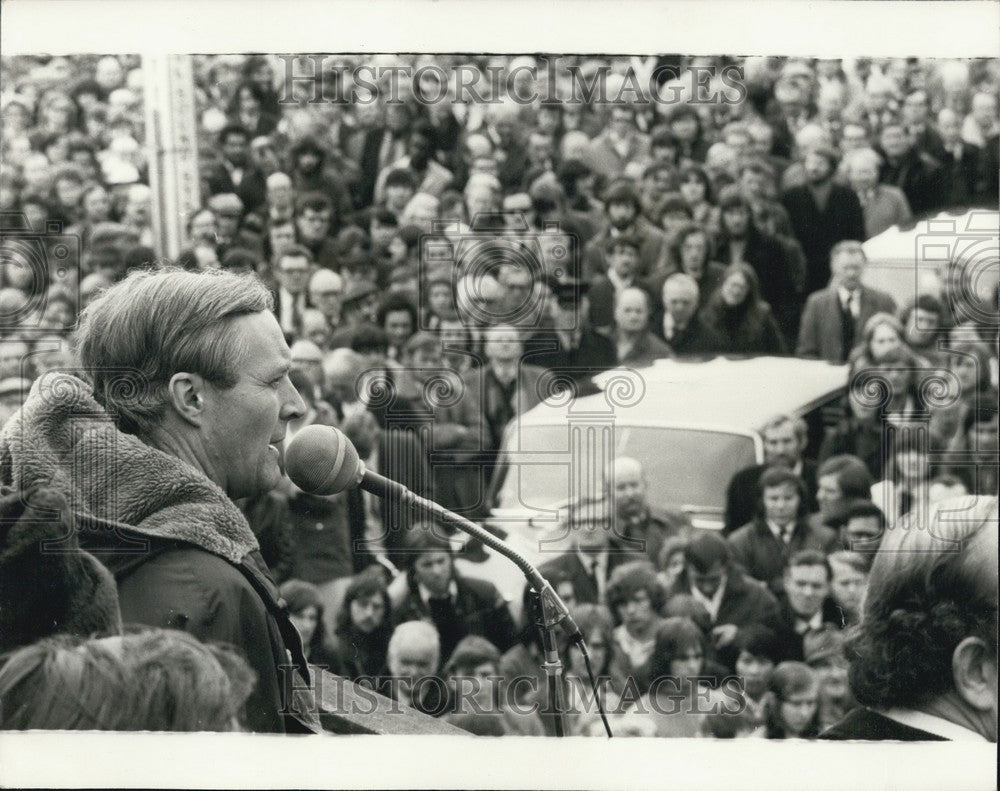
point(656, 230)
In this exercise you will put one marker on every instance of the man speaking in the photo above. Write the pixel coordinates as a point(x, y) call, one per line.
point(183, 410)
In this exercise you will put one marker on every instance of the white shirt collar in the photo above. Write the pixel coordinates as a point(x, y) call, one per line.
point(780, 533)
point(931, 723)
point(425, 594)
point(713, 604)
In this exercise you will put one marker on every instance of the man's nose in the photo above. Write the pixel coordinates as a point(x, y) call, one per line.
point(294, 407)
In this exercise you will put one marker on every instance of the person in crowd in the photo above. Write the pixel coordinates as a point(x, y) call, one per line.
point(316, 225)
point(848, 582)
point(305, 610)
point(737, 313)
point(978, 441)
point(883, 205)
point(785, 440)
point(637, 346)
point(792, 707)
point(969, 361)
point(638, 526)
point(682, 326)
point(235, 172)
point(696, 191)
point(413, 658)
point(834, 318)
point(623, 210)
point(147, 680)
point(759, 653)
point(841, 481)
point(906, 485)
point(571, 344)
point(477, 687)
point(764, 546)
point(923, 329)
point(635, 597)
point(457, 605)
point(733, 600)
point(622, 256)
point(675, 670)
point(671, 564)
point(693, 253)
point(915, 172)
point(292, 272)
point(882, 334)
point(932, 598)
point(397, 315)
point(596, 625)
point(807, 608)
point(742, 242)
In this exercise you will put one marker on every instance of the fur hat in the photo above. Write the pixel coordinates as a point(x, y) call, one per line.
point(48, 585)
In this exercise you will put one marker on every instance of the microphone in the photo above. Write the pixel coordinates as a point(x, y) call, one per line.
point(321, 460)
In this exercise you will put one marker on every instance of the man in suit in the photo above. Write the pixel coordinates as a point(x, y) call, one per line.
point(733, 600)
point(822, 213)
point(623, 261)
point(635, 343)
point(805, 602)
point(785, 439)
point(292, 271)
point(571, 346)
point(961, 162)
point(915, 172)
point(681, 327)
point(924, 660)
point(620, 145)
point(235, 172)
point(582, 572)
point(834, 319)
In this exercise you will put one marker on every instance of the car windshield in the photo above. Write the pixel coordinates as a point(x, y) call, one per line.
point(690, 467)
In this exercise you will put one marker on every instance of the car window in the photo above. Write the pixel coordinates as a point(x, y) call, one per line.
point(689, 467)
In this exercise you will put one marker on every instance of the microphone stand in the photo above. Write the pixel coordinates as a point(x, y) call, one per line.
point(552, 609)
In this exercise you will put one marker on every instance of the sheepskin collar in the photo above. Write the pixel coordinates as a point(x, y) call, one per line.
point(64, 439)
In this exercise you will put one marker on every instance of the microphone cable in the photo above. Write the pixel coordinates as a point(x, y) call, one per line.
point(593, 685)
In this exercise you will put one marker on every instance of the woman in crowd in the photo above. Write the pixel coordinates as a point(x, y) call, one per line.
point(970, 385)
point(693, 253)
point(882, 334)
point(672, 565)
point(361, 640)
point(792, 707)
point(672, 700)
point(906, 485)
point(760, 651)
point(636, 598)
point(737, 313)
point(305, 610)
point(696, 190)
point(922, 326)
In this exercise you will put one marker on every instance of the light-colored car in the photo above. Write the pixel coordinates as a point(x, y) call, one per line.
point(691, 424)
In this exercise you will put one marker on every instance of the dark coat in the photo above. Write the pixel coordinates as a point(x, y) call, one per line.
point(820, 334)
point(594, 354)
point(963, 176)
point(866, 725)
point(478, 609)
point(792, 642)
point(743, 493)
point(567, 568)
point(819, 230)
point(745, 330)
point(764, 557)
point(648, 534)
point(697, 339)
point(647, 349)
point(921, 179)
point(252, 189)
point(776, 272)
point(651, 241)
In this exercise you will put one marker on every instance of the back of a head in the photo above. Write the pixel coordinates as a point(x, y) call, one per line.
point(931, 586)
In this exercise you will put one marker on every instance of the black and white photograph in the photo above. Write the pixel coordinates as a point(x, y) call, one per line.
point(452, 371)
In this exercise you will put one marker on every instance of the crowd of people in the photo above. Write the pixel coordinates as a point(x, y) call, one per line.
point(430, 265)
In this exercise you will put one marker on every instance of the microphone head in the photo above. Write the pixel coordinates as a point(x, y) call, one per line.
point(321, 460)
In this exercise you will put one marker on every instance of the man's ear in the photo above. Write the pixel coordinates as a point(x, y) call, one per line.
point(187, 397)
point(974, 669)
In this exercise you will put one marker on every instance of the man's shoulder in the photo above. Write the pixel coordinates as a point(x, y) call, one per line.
point(867, 725)
point(480, 589)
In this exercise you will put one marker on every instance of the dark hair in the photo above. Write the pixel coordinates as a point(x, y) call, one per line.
point(471, 652)
point(706, 550)
point(296, 251)
point(674, 636)
point(369, 339)
point(394, 303)
point(423, 538)
point(369, 582)
point(309, 145)
point(927, 592)
point(760, 642)
point(853, 477)
point(778, 475)
point(692, 171)
point(426, 130)
point(681, 235)
point(622, 191)
point(233, 129)
point(808, 557)
point(865, 509)
point(631, 578)
point(985, 412)
point(400, 177)
point(313, 201)
point(593, 618)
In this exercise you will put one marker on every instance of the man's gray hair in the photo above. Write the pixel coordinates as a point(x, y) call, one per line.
point(154, 324)
point(419, 633)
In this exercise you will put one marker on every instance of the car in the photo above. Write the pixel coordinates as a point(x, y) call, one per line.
point(692, 424)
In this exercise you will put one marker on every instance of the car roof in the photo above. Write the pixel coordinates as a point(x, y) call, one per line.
point(737, 395)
